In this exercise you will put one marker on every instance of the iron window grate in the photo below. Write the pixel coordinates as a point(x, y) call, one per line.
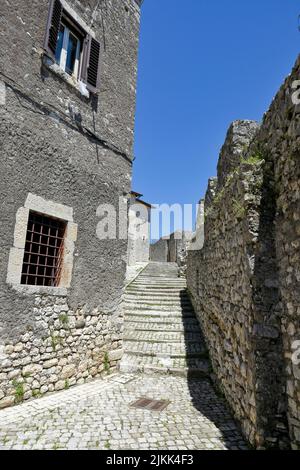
point(44, 249)
point(150, 404)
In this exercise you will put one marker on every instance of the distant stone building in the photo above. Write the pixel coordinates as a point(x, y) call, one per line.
point(139, 230)
point(172, 249)
point(67, 99)
point(159, 251)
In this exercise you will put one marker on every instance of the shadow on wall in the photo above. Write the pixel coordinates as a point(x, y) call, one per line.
point(269, 370)
point(205, 397)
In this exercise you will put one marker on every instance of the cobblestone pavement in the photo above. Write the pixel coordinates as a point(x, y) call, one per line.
point(98, 415)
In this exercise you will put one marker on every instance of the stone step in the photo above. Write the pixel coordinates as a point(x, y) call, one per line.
point(152, 326)
point(146, 316)
point(154, 301)
point(157, 295)
point(160, 306)
point(165, 277)
point(159, 282)
point(161, 320)
point(172, 350)
point(156, 292)
point(157, 301)
point(137, 307)
point(164, 365)
point(161, 336)
point(155, 287)
point(161, 269)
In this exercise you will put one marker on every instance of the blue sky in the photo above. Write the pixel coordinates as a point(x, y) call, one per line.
point(203, 64)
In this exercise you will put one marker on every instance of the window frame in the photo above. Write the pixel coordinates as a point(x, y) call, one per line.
point(43, 246)
point(50, 209)
point(89, 67)
point(64, 52)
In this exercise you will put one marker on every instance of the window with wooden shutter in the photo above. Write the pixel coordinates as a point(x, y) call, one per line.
point(53, 26)
point(71, 47)
point(91, 64)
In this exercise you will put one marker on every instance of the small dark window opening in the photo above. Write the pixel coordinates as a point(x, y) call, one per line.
point(44, 251)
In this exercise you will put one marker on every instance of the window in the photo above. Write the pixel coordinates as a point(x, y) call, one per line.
point(42, 255)
point(71, 46)
point(44, 249)
point(68, 51)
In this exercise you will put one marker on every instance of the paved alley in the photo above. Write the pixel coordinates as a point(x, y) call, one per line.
point(165, 360)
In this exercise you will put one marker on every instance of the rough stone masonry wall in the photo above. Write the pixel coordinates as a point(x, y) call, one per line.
point(53, 338)
point(159, 251)
point(279, 140)
point(178, 244)
point(245, 281)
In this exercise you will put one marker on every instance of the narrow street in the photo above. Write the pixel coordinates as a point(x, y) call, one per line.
point(165, 359)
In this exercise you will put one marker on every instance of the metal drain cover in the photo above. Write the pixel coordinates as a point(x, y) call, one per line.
point(150, 404)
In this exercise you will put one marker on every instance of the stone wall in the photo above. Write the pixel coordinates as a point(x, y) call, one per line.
point(68, 149)
point(279, 139)
point(245, 281)
point(172, 249)
point(159, 251)
point(178, 244)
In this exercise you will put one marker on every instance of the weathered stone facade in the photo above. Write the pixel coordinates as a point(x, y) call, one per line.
point(245, 281)
point(75, 150)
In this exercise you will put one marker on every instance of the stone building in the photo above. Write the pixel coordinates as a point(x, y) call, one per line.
point(245, 281)
point(172, 249)
point(138, 230)
point(68, 86)
point(159, 251)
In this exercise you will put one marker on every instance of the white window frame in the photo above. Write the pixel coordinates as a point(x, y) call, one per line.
point(64, 52)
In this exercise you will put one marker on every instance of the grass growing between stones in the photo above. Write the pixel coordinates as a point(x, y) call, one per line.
point(64, 319)
point(19, 392)
point(107, 445)
point(56, 341)
point(36, 394)
point(239, 209)
point(254, 159)
point(106, 363)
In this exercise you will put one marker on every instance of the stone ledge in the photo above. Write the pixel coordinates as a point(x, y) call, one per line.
point(40, 290)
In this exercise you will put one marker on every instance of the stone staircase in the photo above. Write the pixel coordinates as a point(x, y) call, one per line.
point(162, 334)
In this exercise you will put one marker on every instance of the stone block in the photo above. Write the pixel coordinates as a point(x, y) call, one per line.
point(68, 371)
point(7, 401)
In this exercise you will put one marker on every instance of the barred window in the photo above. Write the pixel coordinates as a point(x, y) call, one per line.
point(44, 247)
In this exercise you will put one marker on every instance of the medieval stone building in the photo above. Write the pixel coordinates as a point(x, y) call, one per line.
point(68, 85)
